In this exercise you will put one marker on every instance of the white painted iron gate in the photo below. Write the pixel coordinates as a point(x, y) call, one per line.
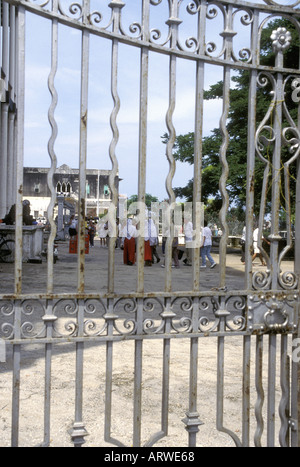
point(221, 37)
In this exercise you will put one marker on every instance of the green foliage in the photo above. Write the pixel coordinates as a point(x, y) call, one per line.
point(148, 200)
point(237, 127)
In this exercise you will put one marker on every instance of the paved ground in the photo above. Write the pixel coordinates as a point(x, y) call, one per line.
point(65, 273)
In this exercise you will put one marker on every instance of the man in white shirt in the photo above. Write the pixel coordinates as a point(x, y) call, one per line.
point(206, 247)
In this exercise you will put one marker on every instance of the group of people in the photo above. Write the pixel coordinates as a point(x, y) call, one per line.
point(90, 228)
point(128, 233)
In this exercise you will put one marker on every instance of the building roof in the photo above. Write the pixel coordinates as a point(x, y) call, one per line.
point(65, 169)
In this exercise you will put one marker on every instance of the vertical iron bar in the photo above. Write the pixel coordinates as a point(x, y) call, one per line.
point(284, 402)
point(200, 68)
point(251, 154)
point(49, 319)
point(113, 122)
point(138, 357)
point(54, 98)
point(246, 391)
point(167, 315)
point(192, 421)
point(220, 392)
point(165, 386)
point(16, 377)
point(108, 384)
point(79, 431)
point(83, 149)
point(276, 169)
point(20, 147)
point(20, 30)
point(138, 367)
point(271, 390)
point(12, 112)
point(295, 390)
point(47, 401)
point(144, 80)
point(222, 314)
point(260, 391)
point(173, 24)
point(110, 318)
point(4, 110)
point(220, 383)
point(16, 395)
point(224, 176)
point(228, 36)
point(297, 221)
point(295, 365)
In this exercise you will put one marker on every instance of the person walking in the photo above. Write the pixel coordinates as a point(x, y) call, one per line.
point(206, 247)
point(243, 244)
point(153, 239)
point(256, 249)
point(73, 226)
point(129, 235)
point(174, 252)
point(92, 232)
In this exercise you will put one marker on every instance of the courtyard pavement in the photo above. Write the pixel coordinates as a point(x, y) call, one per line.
point(96, 266)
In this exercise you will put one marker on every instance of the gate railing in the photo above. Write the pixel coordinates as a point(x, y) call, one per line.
point(138, 318)
point(269, 303)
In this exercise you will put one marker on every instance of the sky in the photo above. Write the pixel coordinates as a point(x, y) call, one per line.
point(67, 83)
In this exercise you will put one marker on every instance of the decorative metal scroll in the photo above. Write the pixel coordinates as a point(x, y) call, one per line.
point(79, 13)
point(198, 316)
point(271, 136)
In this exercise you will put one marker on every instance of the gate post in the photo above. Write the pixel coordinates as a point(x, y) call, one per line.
point(297, 270)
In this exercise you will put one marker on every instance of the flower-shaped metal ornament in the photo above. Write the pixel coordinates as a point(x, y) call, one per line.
point(281, 39)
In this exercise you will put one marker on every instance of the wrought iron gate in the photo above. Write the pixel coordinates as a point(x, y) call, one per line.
point(268, 305)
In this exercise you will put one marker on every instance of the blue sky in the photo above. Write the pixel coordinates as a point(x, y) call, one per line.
point(67, 82)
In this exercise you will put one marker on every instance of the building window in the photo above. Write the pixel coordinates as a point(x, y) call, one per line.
point(63, 187)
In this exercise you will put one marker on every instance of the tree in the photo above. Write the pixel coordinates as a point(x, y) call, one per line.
point(148, 200)
point(237, 129)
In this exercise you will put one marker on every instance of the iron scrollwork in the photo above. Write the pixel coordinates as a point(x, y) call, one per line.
point(269, 133)
point(94, 318)
point(263, 312)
